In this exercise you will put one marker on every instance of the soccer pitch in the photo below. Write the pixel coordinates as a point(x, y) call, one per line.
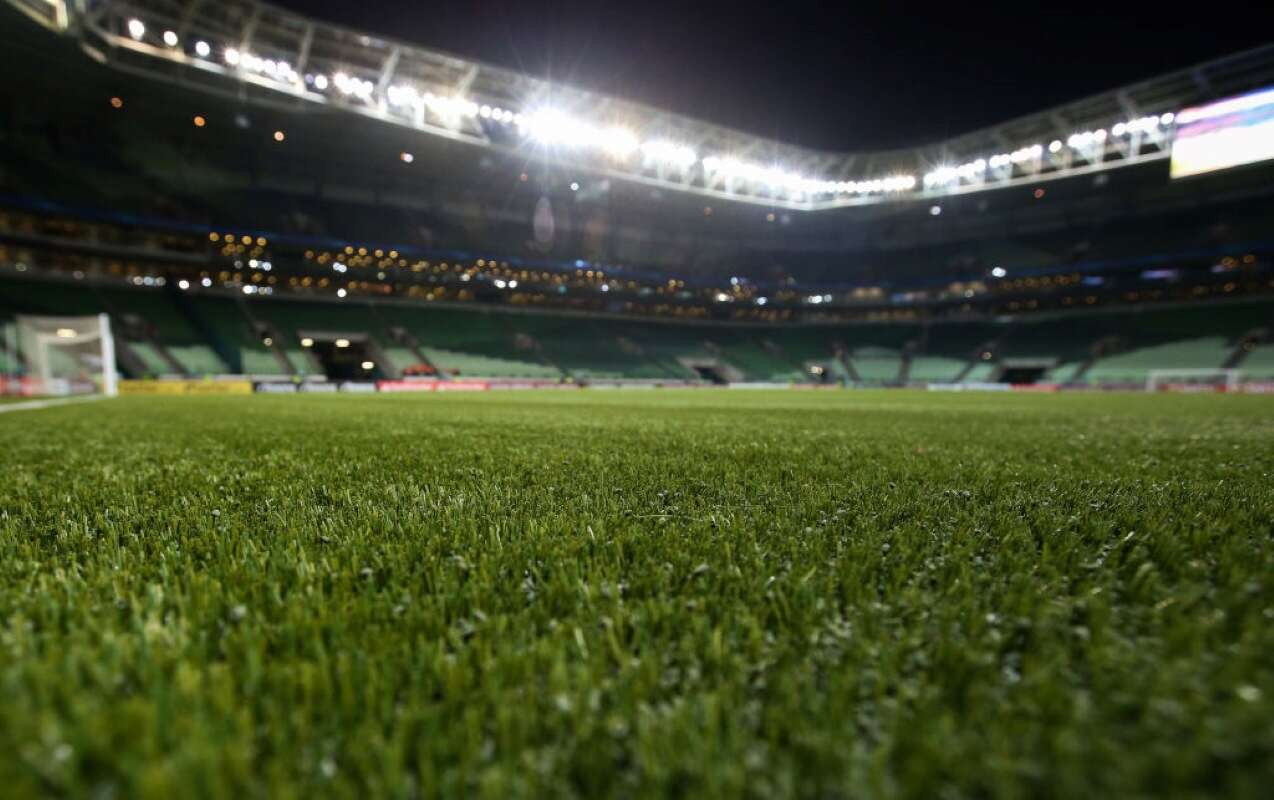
point(702, 593)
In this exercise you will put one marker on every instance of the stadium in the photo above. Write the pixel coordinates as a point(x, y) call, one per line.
point(380, 421)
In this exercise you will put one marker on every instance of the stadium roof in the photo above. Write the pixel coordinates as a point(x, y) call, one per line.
point(269, 55)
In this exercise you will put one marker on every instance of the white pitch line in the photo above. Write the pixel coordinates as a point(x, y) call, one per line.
point(32, 405)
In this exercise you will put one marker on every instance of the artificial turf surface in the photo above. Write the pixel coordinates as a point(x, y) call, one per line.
point(688, 593)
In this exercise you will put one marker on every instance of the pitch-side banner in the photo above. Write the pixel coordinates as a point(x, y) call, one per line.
point(185, 387)
point(433, 386)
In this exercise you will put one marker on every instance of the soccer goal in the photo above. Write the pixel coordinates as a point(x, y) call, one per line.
point(1192, 380)
point(61, 356)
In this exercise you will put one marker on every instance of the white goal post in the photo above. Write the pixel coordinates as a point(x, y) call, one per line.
point(1185, 380)
point(65, 355)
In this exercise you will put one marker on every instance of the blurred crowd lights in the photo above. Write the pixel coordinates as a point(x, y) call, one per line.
point(553, 127)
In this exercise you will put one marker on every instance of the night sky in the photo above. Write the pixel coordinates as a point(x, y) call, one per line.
point(837, 75)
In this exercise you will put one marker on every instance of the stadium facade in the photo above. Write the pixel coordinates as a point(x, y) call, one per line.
point(243, 190)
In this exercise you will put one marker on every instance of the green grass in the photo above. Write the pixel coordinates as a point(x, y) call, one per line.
point(639, 593)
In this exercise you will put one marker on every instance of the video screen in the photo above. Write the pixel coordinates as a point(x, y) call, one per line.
point(1224, 134)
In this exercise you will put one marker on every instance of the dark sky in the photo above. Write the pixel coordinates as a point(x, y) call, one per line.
point(839, 75)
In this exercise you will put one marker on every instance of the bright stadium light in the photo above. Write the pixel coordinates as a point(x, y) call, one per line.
point(665, 152)
point(619, 142)
point(553, 127)
point(341, 293)
point(998, 272)
point(320, 82)
point(369, 365)
point(136, 29)
point(342, 343)
point(205, 282)
point(183, 284)
point(202, 49)
point(232, 56)
point(345, 84)
point(170, 38)
point(406, 157)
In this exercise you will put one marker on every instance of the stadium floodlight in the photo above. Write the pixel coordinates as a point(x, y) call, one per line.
point(400, 95)
point(68, 355)
point(1026, 153)
point(350, 85)
point(1086, 139)
point(750, 181)
point(619, 142)
point(553, 127)
point(663, 152)
point(998, 272)
point(341, 293)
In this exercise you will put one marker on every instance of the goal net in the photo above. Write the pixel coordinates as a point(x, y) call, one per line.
point(1192, 380)
point(59, 356)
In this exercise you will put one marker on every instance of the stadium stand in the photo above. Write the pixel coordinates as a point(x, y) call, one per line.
point(1134, 366)
point(1258, 363)
point(211, 332)
point(936, 369)
point(464, 262)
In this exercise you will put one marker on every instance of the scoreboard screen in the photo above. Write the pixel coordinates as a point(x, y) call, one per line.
point(1224, 134)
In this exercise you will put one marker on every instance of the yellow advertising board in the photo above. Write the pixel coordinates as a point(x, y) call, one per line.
point(185, 387)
